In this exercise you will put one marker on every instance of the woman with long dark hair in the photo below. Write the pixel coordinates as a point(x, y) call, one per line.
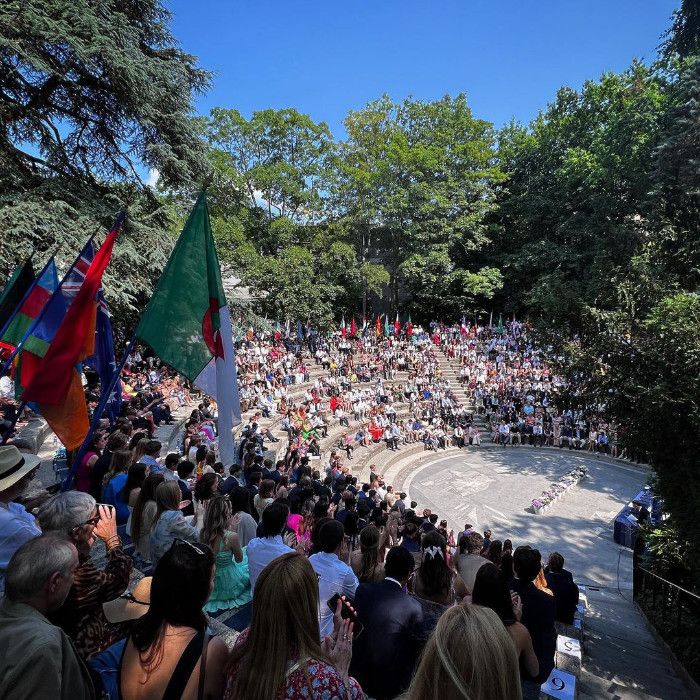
point(434, 580)
point(169, 653)
point(434, 584)
point(206, 487)
point(365, 560)
point(240, 505)
point(88, 461)
point(491, 592)
point(495, 552)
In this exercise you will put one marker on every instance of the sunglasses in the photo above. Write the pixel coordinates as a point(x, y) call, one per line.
point(130, 598)
point(91, 521)
point(178, 540)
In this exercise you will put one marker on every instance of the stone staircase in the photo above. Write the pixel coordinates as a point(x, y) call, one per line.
point(450, 371)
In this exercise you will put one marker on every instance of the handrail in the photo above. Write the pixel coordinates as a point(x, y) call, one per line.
point(670, 583)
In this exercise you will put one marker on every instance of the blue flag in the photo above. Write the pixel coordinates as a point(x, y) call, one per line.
point(103, 361)
point(300, 331)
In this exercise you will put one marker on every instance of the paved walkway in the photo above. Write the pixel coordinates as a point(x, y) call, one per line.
point(623, 660)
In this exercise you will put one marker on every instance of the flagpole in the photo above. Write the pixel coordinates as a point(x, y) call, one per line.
point(97, 415)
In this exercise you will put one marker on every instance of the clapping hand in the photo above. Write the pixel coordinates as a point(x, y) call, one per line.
point(517, 605)
point(290, 539)
point(338, 648)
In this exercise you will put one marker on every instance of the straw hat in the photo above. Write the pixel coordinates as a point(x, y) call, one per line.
point(14, 465)
point(130, 606)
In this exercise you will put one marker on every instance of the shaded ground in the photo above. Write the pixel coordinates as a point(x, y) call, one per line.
point(494, 488)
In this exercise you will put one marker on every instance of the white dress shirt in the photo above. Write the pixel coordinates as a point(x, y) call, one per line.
point(334, 576)
point(261, 551)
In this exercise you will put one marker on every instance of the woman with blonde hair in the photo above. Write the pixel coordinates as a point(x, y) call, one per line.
point(469, 656)
point(232, 578)
point(169, 523)
point(283, 639)
point(139, 450)
point(143, 516)
point(365, 560)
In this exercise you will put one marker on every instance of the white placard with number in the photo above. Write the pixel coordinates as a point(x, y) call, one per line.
point(569, 646)
point(560, 685)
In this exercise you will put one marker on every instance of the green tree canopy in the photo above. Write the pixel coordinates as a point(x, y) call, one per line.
point(276, 159)
point(417, 179)
point(91, 94)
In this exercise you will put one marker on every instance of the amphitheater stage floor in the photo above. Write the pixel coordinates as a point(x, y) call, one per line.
point(493, 487)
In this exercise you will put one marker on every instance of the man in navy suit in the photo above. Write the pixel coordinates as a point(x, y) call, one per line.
point(539, 608)
point(561, 583)
point(385, 653)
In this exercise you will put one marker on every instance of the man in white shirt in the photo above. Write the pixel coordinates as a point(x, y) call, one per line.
point(458, 435)
point(504, 433)
point(263, 550)
point(334, 575)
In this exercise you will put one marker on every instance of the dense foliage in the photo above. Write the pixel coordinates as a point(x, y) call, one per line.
point(596, 235)
point(91, 93)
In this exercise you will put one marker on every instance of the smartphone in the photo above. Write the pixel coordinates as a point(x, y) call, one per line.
point(346, 613)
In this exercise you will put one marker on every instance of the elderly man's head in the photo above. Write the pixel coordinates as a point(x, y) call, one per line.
point(40, 572)
point(74, 514)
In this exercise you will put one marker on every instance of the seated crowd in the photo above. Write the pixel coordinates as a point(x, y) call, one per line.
point(391, 391)
point(510, 382)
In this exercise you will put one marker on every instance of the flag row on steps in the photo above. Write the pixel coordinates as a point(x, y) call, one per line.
point(50, 329)
point(379, 329)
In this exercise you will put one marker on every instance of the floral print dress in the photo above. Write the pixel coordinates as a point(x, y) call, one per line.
point(309, 680)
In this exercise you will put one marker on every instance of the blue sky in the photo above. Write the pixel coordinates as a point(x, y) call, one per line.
point(327, 57)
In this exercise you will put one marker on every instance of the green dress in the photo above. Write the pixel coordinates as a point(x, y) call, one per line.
point(231, 581)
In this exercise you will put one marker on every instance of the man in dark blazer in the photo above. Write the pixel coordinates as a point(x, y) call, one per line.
point(385, 653)
point(539, 608)
point(561, 583)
